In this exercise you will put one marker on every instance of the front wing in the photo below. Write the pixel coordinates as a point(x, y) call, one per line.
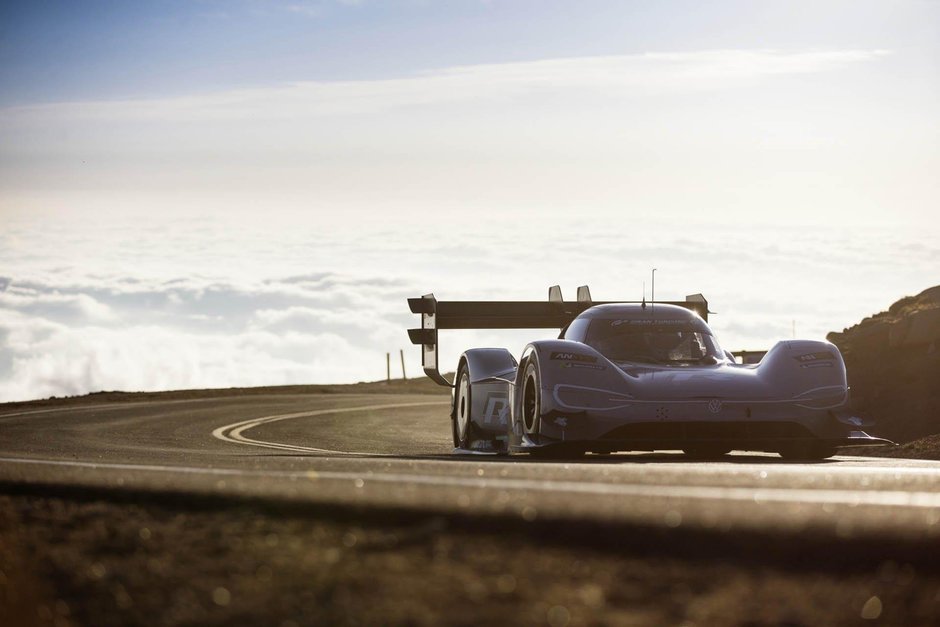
point(670, 425)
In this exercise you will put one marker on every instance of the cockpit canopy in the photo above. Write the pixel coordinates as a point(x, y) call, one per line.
point(660, 334)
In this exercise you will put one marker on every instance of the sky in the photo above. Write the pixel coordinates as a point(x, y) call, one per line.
point(209, 194)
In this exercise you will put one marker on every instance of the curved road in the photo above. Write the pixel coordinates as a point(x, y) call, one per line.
point(394, 450)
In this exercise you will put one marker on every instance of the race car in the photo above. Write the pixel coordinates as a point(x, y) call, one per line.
point(635, 376)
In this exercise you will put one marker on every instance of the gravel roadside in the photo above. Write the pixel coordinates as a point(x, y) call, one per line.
point(84, 560)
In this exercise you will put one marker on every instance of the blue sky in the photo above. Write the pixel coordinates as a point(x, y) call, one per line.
point(67, 50)
point(210, 193)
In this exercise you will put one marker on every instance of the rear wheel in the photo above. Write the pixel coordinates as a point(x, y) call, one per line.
point(460, 422)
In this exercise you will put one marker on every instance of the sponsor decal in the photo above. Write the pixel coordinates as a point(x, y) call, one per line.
point(496, 409)
point(561, 422)
point(714, 406)
point(587, 359)
point(812, 357)
point(571, 364)
point(660, 322)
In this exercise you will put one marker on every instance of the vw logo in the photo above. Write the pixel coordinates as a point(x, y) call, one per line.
point(714, 406)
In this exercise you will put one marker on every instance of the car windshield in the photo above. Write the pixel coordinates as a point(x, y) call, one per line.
point(674, 342)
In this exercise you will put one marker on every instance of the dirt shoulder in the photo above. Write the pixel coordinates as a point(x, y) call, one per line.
point(922, 448)
point(893, 365)
point(83, 560)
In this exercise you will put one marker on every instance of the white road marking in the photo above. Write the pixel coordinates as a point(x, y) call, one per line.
point(234, 432)
point(759, 496)
point(71, 409)
point(175, 401)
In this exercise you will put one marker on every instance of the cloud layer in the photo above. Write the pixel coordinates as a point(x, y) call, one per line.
point(82, 312)
point(66, 338)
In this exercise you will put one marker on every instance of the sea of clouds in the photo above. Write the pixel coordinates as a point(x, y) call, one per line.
point(131, 302)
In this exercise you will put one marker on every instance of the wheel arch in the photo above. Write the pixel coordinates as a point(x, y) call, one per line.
point(805, 369)
point(485, 364)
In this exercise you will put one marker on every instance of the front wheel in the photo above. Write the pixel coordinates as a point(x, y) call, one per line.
point(531, 398)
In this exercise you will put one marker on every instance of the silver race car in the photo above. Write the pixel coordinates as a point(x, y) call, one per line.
point(629, 376)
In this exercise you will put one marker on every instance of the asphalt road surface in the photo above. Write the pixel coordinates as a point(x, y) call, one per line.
point(394, 450)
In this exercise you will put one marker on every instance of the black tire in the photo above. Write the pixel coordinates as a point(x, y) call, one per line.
point(807, 452)
point(532, 415)
point(460, 417)
point(531, 397)
point(706, 451)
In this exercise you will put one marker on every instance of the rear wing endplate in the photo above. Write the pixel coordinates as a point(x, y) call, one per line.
point(556, 313)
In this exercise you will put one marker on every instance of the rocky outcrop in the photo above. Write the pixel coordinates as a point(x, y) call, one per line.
point(893, 364)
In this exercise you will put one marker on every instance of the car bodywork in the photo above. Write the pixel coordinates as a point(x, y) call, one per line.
point(609, 383)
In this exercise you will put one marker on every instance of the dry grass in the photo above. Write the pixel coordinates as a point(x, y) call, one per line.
point(923, 448)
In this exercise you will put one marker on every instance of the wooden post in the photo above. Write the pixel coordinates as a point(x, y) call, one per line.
point(388, 367)
point(401, 351)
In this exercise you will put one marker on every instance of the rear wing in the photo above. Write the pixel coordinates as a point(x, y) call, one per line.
point(556, 313)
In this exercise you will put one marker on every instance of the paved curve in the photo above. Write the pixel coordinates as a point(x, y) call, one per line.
point(394, 450)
